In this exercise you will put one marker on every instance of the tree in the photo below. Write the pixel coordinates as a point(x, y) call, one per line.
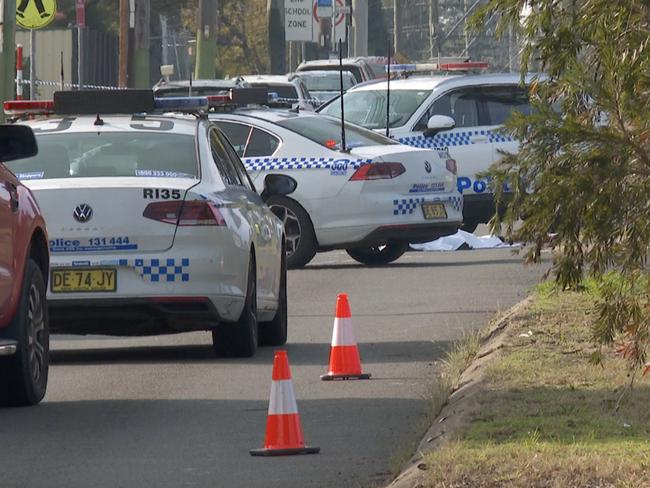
point(583, 169)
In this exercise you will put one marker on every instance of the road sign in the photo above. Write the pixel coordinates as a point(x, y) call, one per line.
point(35, 14)
point(81, 13)
point(340, 12)
point(298, 22)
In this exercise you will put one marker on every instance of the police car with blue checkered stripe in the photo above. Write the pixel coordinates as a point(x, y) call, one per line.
point(458, 114)
point(368, 195)
point(155, 226)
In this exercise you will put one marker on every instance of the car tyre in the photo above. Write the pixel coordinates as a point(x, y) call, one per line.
point(239, 339)
point(23, 376)
point(378, 255)
point(469, 226)
point(274, 333)
point(301, 245)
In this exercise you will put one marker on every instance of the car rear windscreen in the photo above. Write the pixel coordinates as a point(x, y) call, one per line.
point(110, 154)
point(326, 131)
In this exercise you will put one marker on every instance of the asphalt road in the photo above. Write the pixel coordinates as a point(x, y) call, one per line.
point(163, 412)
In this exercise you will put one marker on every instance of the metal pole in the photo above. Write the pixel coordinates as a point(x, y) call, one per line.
point(360, 15)
point(165, 40)
point(32, 64)
point(80, 57)
point(124, 44)
point(397, 27)
point(19, 72)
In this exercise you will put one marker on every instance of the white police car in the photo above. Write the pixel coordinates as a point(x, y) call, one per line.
point(154, 224)
point(456, 114)
point(371, 197)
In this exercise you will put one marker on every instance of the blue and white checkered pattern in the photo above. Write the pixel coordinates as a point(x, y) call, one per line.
point(160, 270)
point(406, 206)
point(449, 139)
point(261, 164)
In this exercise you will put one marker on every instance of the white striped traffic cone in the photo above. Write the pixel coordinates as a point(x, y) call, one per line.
point(283, 429)
point(345, 362)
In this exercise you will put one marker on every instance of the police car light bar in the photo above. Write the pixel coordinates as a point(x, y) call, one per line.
point(181, 104)
point(28, 107)
point(428, 67)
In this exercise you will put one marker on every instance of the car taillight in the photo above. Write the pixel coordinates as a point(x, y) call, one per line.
point(193, 212)
point(452, 166)
point(378, 171)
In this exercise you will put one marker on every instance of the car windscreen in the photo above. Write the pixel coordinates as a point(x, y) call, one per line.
point(328, 82)
point(283, 91)
point(92, 154)
point(326, 131)
point(354, 70)
point(368, 107)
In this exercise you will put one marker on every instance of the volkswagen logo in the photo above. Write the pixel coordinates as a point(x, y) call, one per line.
point(83, 213)
point(427, 166)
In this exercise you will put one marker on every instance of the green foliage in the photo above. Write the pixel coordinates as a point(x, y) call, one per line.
point(583, 170)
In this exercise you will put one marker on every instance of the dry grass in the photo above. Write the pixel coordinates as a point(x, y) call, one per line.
point(546, 417)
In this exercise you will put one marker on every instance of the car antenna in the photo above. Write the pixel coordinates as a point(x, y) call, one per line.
point(343, 146)
point(388, 93)
point(190, 94)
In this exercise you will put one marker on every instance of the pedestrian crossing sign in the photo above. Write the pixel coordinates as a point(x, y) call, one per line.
point(35, 14)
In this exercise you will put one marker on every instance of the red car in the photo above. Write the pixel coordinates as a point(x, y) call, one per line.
point(24, 263)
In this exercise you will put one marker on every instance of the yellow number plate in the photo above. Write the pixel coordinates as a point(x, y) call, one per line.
point(73, 280)
point(433, 210)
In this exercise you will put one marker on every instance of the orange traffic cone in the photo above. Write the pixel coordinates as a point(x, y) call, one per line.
point(345, 363)
point(283, 429)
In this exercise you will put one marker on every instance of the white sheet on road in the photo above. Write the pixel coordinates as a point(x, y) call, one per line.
point(461, 239)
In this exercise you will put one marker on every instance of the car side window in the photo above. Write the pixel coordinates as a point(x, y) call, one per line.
point(501, 101)
point(460, 105)
point(222, 159)
point(237, 134)
point(261, 143)
point(237, 164)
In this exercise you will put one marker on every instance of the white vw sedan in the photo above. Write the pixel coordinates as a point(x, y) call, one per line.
point(155, 227)
point(370, 196)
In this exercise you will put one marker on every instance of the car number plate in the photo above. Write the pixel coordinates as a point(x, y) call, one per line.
point(73, 280)
point(433, 210)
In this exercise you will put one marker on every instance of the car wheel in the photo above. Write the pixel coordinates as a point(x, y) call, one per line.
point(375, 255)
point(274, 333)
point(23, 376)
point(301, 242)
point(239, 339)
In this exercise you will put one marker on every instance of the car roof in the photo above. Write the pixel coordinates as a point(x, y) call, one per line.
point(443, 81)
point(329, 62)
point(275, 79)
point(323, 73)
point(196, 83)
point(183, 123)
point(270, 115)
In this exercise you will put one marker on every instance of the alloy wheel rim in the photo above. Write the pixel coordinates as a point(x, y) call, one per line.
point(292, 229)
point(36, 334)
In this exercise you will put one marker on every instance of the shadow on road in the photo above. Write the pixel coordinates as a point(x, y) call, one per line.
point(199, 442)
point(412, 264)
point(299, 353)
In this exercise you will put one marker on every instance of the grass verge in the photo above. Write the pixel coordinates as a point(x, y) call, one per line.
point(544, 416)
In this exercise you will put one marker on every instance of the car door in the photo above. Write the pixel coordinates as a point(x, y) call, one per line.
point(469, 142)
point(500, 103)
point(241, 190)
point(8, 207)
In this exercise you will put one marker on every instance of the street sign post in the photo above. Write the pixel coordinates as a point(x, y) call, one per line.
point(298, 20)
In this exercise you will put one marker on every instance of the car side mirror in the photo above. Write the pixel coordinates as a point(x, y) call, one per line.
point(278, 185)
point(438, 123)
point(17, 142)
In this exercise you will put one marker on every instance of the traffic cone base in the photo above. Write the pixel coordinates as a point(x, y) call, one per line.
point(284, 452)
point(332, 377)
